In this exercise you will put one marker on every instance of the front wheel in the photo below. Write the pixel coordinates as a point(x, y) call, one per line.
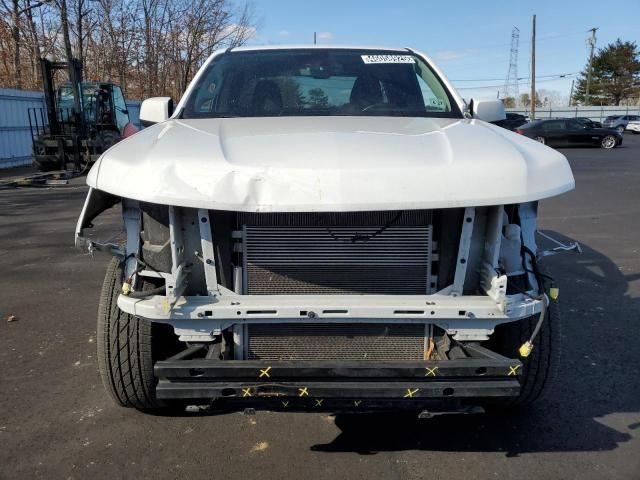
point(608, 142)
point(542, 140)
point(127, 348)
point(540, 366)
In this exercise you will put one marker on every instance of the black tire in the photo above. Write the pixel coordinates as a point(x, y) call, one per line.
point(620, 129)
point(125, 348)
point(47, 167)
point(541, 140)
point(608, 142)
point(539, 369)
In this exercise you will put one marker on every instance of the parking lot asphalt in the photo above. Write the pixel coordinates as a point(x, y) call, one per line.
point(56, 420)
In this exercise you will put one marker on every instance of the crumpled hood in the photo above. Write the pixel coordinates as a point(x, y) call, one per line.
point(330, 164)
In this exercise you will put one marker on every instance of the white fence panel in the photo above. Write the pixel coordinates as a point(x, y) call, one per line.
point(593, 112)
point(15, 136)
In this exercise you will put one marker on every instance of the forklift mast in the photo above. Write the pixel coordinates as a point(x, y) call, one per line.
point(82, 119)
point(74, 69)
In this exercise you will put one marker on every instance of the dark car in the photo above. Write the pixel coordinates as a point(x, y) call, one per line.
point(588, 122)
point(513, 121)
point(569, 132)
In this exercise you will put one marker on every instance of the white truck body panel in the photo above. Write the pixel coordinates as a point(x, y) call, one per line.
point(309, 164)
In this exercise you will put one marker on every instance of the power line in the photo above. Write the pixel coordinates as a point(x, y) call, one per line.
point(524, 42)
point(559, 75)
point(502, 85)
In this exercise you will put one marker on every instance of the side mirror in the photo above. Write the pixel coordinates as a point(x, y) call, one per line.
point(487, 110)
point(155, 110)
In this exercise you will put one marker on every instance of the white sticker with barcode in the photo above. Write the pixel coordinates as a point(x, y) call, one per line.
point(388, 59)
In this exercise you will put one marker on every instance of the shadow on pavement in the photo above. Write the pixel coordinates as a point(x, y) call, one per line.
point(598, 376)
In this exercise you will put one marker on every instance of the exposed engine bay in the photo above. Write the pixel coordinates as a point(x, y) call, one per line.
point(212, 274)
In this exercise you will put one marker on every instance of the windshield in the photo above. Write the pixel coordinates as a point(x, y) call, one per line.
point(65, 102)
point(96, 100)
point(319, 82)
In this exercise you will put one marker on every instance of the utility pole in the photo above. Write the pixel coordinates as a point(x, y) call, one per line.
point(533, 70)
point(592, 45)
point(315, 38)
point(571, 92)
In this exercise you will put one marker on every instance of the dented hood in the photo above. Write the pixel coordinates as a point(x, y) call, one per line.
point(330, 164)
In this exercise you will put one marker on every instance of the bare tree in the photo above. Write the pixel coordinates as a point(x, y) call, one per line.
point(149, 47)
point(16, 11)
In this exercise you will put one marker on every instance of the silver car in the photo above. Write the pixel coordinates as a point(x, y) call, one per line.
point(619, 122)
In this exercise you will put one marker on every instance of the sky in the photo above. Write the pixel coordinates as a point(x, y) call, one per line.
point(469, 40)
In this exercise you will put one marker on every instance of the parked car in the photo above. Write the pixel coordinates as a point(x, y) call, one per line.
point(325, 229)
point(634, 126)
point(588, 122)
point(619, 122)
point(513, 121)
point(570, 132)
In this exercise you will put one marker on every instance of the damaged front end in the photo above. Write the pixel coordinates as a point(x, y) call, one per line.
point(346, 307)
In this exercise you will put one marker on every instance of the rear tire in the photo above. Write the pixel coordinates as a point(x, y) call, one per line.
point(539, 368)
point(620, 129)
point(126, 347)
point(542, 140)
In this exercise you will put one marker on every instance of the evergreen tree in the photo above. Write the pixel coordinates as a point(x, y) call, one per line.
point(615, 75)
point(317, 98)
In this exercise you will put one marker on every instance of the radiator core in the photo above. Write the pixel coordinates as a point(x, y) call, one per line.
point(335, 341)
point(332, 254)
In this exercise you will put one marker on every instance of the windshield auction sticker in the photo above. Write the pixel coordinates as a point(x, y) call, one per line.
point(388, 59)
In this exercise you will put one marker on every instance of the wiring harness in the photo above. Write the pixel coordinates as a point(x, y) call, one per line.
point(527, 347)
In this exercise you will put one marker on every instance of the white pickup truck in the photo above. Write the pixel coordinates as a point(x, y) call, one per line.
point(329, 228)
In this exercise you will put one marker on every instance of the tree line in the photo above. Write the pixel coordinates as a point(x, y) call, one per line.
point(148, 47)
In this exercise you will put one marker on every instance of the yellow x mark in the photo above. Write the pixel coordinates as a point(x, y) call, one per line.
point(246, 392)
point(319, 401)
point(285, 403)
point(264, 372)
point(304, 392)
point(357, 403)
point(513, 370)
point(431, 372)
point(410, 393)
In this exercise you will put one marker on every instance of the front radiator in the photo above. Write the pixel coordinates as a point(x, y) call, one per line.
point(332, 254)
point(335, 341)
